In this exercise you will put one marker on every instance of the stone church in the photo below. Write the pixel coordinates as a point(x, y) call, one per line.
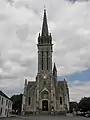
point(46, 94)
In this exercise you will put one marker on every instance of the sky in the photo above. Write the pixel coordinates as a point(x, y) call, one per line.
point(20, 24)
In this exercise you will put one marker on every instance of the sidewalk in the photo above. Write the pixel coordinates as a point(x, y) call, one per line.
point(69, 114)
point(8, 117)
point(1, 117)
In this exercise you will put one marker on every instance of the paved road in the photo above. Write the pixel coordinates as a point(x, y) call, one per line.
point(47, 118)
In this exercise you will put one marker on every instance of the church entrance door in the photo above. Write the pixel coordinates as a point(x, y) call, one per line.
point(45, 105)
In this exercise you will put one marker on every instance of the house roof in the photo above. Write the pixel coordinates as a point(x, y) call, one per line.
point(2, 94)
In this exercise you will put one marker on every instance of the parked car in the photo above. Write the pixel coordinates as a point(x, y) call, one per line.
point(87, 115)
point(81, 113)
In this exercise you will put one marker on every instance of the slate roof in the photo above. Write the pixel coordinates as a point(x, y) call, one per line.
point(61, 84)
point(31, 84)
point(2, 94)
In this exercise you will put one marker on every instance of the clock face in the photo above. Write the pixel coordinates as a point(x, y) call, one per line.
point(45, 77)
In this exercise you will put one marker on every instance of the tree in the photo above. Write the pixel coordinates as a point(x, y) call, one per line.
point(17, 102)
point(84, 104)
point(73, 106)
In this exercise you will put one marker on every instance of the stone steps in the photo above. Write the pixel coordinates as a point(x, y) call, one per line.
point(44, 113)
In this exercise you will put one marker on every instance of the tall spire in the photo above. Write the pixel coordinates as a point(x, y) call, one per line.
point(25, 82)
point(45, 26)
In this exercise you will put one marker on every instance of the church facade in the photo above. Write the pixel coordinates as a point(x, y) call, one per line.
point(46, 93)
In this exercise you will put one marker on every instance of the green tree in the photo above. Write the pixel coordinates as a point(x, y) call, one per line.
point(84, 104)
point(17, 102)
point(73, 106)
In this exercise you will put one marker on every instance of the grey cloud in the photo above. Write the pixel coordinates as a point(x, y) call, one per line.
point(70, 41)
point(8, 77)
point(12, 91)
point(23, 32)
point(79, 89)
point(3, 17)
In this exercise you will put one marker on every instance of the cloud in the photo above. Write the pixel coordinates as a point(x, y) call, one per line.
point(23, 32)
point(20, 24)
point(79, 89)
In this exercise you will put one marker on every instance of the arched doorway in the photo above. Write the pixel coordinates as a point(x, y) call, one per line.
point(45, 105)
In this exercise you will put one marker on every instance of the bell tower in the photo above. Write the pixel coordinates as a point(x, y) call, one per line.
point(44, 48)
point(45, 83)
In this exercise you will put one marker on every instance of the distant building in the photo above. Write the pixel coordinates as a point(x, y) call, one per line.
point(46, 94)
point(5, 105)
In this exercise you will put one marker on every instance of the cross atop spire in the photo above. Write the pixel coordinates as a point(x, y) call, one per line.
point(44, 7)
point(45, 26)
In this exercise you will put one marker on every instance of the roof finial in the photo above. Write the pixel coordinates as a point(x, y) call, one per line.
point(44, 7)
point(25, 82)
point(44, 10)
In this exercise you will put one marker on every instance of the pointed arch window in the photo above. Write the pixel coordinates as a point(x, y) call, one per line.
point(29, 100)
point(42, 60)
point(47, 60)
point(60, 100)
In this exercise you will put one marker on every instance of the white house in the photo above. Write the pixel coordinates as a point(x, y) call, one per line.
point(5, 105)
